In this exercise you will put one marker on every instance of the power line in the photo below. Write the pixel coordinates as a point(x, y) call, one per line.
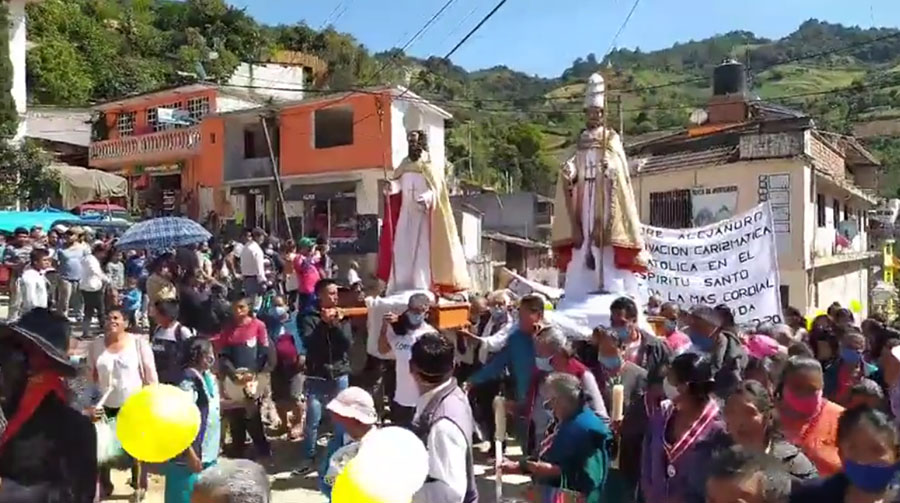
point(693, 80)
point(612, 45)
point(475, 29)
point(325, 21)
point(456, 103)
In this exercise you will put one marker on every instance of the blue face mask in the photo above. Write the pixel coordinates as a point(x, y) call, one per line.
point(701, 342)
point(622, 332)
point(610, 362)
point(543, 364)
point(671, 326)
point(498, 312)
point(870, 478)
point(415, 319)
point(851, 356)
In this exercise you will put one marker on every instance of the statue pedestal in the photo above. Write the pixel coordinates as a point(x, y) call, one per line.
point(446, 315)
point(578, 317)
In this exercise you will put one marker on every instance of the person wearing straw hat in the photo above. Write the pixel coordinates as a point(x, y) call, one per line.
point(48, 450)
point(353, 412)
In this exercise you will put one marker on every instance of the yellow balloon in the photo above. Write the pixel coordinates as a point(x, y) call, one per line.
point(157, 423)
point(810, 319)
point(856, 306)
point(347, 489)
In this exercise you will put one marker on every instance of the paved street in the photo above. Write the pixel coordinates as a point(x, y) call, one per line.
point(285, 488)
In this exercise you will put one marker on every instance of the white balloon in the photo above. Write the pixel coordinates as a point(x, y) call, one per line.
point(392, 464)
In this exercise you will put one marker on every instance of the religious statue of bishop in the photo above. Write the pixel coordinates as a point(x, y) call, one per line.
point(420, 248)
point(596, 229)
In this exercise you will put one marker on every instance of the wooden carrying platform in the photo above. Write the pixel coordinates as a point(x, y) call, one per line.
point(446, 316)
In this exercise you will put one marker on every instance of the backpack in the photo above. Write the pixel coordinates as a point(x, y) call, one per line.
point(169, 355)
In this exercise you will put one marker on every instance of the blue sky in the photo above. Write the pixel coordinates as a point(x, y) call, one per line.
point(544, 36)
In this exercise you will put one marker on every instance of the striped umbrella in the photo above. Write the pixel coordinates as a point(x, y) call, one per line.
point(163, 234)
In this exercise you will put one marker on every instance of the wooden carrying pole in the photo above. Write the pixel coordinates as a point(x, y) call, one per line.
point(389, 222)
point(276, 174)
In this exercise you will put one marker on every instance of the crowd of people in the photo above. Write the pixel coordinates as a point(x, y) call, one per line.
point(696, 409)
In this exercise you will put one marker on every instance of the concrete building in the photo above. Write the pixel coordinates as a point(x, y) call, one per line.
point(820, 186)
point(332, 153)
point(523, 214)
point(136, 137)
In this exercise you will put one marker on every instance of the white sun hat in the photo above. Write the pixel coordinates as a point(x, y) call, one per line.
point(354, 403)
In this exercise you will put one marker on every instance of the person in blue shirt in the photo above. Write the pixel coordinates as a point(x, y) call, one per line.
point(131, 299)
point(520, 358)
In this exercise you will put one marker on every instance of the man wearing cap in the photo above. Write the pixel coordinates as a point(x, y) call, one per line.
point(48, 451)
point(16, 257)
point(444, 423)
point(353, 413)
point(307, 273)
point(727, 355)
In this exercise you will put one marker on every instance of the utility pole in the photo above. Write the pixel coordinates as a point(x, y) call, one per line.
point(471, 170)
point(276, 173)
point(621, 119)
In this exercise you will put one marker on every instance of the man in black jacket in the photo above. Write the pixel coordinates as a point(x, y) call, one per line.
point(641, 347)
point(326, 334)
point(48, 450)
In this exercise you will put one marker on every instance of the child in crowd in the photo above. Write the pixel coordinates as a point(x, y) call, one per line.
point(201, 383)
point(738, 474)
point(115, 269)
point(867, 393)
point(131, 299)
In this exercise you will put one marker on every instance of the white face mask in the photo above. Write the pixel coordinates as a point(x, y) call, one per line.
point(670, 390)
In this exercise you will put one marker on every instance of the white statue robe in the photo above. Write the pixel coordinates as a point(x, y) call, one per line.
point(580, 281)
point(411, 266)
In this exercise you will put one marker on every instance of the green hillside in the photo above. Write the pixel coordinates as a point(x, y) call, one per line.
point(512, 126)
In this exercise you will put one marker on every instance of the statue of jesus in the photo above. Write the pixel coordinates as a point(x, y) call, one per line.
point(420, 248)
point(596, 228)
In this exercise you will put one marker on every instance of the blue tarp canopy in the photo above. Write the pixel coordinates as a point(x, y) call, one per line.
point(10, 220)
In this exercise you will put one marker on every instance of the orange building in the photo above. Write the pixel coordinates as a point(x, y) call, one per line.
point(332, 155)
point(160, 158)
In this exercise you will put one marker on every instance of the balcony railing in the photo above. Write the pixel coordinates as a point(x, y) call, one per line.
point(159, 146)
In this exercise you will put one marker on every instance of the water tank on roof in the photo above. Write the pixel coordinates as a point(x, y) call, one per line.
point(729, 78)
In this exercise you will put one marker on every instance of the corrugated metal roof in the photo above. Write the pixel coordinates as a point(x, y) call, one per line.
point(689, 159)
point(515, 240)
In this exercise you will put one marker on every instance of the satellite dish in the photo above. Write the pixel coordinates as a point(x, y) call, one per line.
point(699, 116)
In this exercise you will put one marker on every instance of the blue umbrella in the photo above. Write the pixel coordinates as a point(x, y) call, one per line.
point(163, 234)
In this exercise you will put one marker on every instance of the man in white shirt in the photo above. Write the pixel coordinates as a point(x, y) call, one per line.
point(92, 283)
point(253, 268)
point(444, 422)
point(398, 334)
point(32, 285)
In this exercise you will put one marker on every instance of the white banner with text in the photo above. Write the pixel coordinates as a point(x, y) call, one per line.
point(732, 262)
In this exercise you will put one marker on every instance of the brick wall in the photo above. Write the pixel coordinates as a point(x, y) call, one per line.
point(825, 158)
point(771, 145)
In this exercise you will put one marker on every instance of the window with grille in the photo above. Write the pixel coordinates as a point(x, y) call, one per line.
point(125, 123)
point(153, 117)
point(198, 108)
point(672, 209)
